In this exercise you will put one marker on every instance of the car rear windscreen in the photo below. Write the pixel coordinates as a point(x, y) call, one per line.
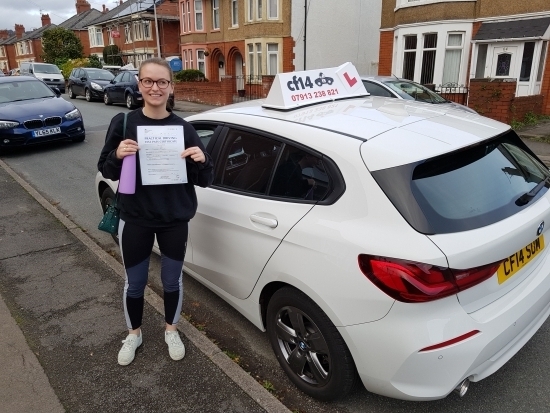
point(469, 188)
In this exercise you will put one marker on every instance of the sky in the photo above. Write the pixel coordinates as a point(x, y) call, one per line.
point(28, 12)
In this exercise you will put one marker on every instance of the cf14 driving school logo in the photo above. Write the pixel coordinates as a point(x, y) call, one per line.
point(296, 89)
point(297, 83)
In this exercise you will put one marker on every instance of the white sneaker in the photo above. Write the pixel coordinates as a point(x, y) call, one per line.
point(175, 346)
point(128, 351)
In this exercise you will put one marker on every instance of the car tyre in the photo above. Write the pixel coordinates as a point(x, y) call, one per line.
point(130, 101)
point(88, 95)
point(308, 346)
point(70, 93)
point(107, 198)
point(106, 99)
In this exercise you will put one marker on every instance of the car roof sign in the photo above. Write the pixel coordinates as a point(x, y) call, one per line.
point(297, 89)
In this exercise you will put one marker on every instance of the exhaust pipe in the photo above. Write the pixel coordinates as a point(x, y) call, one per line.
point(462, 388)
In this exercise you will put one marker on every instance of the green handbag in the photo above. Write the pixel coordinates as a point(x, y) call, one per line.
point(109, 222)
point(111, 218)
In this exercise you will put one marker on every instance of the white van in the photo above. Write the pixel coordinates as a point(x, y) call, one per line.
point(48, 73)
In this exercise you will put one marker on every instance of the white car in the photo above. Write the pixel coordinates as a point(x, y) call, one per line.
point(389, 241)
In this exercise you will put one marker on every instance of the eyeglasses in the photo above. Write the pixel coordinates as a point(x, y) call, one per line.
point(161, 83)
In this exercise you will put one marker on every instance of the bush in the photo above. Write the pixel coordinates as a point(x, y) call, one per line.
point(69, 65)
point(111, 55)
point(93, 61)
point(190, 75)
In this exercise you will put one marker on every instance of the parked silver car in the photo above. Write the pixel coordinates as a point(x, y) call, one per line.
point(393, 87)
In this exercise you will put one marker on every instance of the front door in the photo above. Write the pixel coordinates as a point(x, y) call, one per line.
point(504, 62)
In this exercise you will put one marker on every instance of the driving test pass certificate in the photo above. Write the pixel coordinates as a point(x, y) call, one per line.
point(160, 155)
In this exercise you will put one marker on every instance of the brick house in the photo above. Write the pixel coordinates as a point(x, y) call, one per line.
point(132, 27)
point(79, 22)
point(460, 42)
point(22, 46)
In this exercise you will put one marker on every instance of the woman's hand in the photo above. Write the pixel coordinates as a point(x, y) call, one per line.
point(126, 148)
point(195, 153)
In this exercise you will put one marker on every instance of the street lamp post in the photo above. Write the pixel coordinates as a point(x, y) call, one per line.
point(156, 27)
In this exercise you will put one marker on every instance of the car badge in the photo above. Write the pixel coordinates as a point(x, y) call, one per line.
point(540, 228)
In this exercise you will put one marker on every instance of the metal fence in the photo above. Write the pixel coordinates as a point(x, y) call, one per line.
point(454, 92)
point(248, 87)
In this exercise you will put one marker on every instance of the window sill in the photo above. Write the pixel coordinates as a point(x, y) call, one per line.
point(405, 5)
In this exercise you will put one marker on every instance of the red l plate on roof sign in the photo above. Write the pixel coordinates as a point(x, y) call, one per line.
point(296, 89)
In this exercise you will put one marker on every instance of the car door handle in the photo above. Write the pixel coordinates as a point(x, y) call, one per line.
point(268, 222)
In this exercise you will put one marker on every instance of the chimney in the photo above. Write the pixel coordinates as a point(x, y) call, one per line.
point(46, 20)
point(82, 6)
point(121, 2)
point(4, 34)
point(19, 30)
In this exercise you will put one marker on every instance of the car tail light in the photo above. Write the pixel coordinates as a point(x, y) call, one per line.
point(413, 282)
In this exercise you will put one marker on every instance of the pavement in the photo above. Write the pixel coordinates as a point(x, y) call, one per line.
point(61, 322)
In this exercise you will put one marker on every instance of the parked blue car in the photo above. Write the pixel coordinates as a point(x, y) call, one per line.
point(33, 113)
point(123, 89)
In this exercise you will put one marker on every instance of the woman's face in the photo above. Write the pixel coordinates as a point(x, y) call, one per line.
point(154, 95)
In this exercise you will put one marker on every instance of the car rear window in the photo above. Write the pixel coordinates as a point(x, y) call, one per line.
point(466, 189)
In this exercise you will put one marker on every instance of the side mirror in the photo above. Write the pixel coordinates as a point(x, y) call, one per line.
point(30, 70)
point(56, 91)
point(83, 78)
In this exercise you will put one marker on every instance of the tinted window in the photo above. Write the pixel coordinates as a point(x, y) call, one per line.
point(99, 74)
point(118, 77)
point(299, 175)
point(126, 77)
point(466, 189)
point(247, 161)
point(377, 90)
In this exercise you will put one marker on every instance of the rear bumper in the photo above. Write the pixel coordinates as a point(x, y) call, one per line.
point(387, 352)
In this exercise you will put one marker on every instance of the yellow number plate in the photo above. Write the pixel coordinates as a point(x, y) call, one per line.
point(517, 261)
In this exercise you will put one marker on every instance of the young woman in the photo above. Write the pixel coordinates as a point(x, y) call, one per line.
point(163, 211)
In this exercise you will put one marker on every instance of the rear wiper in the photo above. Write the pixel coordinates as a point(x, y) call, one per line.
point(526, 197)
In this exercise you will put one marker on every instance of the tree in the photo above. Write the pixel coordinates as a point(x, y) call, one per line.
point(94, 61)
point(59, 43)
point(111, 55)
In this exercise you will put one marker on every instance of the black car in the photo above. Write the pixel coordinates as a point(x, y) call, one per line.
point(32, 113)
point(88, 82)
point(123, 89)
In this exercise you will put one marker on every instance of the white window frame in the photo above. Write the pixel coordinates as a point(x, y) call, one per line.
point(441, 29)
point(425, 49)
point(2, 51)
point(201, 60)
point(234, 13)
point(251, 60)
point(268, 58)
point(451, 47)
point(138, 30)
point(215, 14)
point(128, 33)
point(199, 16)
point(96, 36)
point(250, 10)
point(183, 17)
point(270, 4)
point(147, 32)
point(259, 58)
point(259, 9)
point(184, 55)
